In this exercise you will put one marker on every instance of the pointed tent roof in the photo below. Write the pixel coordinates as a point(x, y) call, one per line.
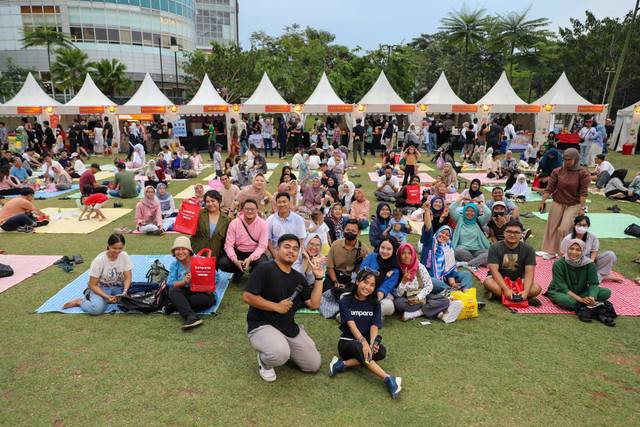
point(501, 97)
point(31, 95)
point(322, 97)
point(441, 97)
point(380, 96)
point(147, 96)
point(207, 100)
point(563, 95)
point(89, 95)
point(264, 95)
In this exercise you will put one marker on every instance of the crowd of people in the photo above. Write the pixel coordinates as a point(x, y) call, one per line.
point(304, 245)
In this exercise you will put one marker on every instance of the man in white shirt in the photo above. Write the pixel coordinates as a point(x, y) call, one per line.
point(297, 158)
point(78, 166)
point(587, 136)
point(284, 222)
point(47, 168)
point(603, 172)
point(388, 186)
point(510, 131)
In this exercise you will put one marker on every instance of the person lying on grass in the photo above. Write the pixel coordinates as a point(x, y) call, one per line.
point(360, 319)
point(109, 278)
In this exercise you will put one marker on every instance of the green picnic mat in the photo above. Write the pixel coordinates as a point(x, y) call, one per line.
point(532, 197)
point(605, 225)
point(305, 310)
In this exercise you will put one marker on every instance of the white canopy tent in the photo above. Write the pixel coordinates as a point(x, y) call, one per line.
point(442, 99)
point(88, 100)
point(207, 100)
point(148, 99)
point(382, 98)
point(501, 98)
point(30, 100)
point(265, 99)
point(325, 100)
point(562, 97)
point(626, 128)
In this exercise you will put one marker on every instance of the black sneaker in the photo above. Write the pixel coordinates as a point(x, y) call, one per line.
point(117, 205)
point(192, 322)
point(25, 229)
point(64, 259)
point(168, 309)
point(534, 302)
point(526, 234)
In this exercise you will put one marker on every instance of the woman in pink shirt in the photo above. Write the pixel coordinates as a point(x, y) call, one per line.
point(246, 241)
point(149, 214)
point(360, 209)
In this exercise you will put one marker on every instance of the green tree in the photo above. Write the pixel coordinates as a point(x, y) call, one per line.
point(13, 78)
point(518, 31)
point(110, 75)
point(465, 27)
point(48, 37)
point(70, 68)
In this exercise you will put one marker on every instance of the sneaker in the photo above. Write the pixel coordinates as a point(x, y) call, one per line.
point(526, 234)
point(548, 256)
point(527, 214)
point(461, 264)
point(158, 232)
point(336, 366)
point(25, 229)
point(268, 375)
point(394, 384)
point(168, 309)
point(453, 311)
point(338, 318)
point(534, 302)
point(408, 315)
point(192, 322)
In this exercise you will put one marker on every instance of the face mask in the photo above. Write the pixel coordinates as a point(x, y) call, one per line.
point(350, 236)
point(581, 230)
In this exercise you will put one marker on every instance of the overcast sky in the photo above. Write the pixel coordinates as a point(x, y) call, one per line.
point(369, 23)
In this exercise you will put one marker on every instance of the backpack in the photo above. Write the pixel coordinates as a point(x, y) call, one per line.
point(5, 270)
point(157, 273)
point(633, 230)
point(145, 298)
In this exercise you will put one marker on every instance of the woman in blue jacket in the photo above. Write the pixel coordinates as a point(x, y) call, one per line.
point(384, 262)
point(378, 229)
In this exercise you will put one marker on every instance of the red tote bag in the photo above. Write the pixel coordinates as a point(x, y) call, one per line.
point(413, 194)
point(187, 219)
point(517, 287)
point(203, 272)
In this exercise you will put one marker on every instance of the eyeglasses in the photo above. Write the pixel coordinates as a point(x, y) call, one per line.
point(512, 232)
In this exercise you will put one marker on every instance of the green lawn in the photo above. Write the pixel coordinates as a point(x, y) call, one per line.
point(498, 369)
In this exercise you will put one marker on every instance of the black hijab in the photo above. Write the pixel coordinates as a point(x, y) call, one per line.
point(475, 193)
point(386, 265)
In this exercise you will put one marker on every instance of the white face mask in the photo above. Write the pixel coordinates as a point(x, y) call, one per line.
point(581, 230)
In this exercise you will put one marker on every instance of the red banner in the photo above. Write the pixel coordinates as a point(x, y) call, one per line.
point(277, 108)
point(92, 110)
point(402, 108)
point(29, 110)
point(527, 108)
point(347, 108)
point(216, 108)
point(590, 108)
point(153, 110)
point(462, 108)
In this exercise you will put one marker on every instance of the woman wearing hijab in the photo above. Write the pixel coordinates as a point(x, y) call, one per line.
point(449, 177)
point(550, 160)
point(574, 284)
point(439, 212)
point(438, 256)
point(379, 224)
point(211, 231)
point(384, 262)
point(568, 187)
point(469, 241)
point(519, 190)
point(167, 207)
point(615, 188)
point(138, 160)
point(150, 173)
point(312, 194)
point(309, 257)
point(413, 295)
point(474, 192)
point(61, 179)
point(345, 194)
point(148, 213)
point(258, 192)
point(487, 160)
point(336, 220)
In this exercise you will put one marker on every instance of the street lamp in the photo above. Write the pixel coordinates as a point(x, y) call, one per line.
point(175, 48)
point(161, 71)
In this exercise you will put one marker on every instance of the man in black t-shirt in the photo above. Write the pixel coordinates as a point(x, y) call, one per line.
point(511, 258)
point(275, 292)
point(107, 134)
point(358, 141)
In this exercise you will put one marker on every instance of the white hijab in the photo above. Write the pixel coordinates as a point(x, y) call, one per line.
point(520, 188)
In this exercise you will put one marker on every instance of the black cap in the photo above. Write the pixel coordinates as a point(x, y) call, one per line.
point(95, 166)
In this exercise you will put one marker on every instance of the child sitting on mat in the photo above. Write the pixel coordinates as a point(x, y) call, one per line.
point(92, 204)
point(359, 344)
point(398, 226)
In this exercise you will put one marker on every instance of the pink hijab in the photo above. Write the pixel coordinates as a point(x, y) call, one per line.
point(412, 267)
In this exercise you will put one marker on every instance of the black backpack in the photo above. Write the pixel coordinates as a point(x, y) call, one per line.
point(633, 230)
point(157, 273)
point(145, 298)
point(5, 270)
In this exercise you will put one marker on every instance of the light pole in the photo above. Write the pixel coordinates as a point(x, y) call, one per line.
point(174, 48)
point(606, 85)
point(161, 72)
point(389, 48)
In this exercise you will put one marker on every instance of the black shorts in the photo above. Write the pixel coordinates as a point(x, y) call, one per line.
point(352, 349)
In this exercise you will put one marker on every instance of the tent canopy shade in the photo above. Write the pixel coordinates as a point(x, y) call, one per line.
point(325, 100)
point(501, 98)
point(148, 99)
point(441, 98)
point(207, 100)
point(30, 100)
point(88, 100)
point(265, 99)
point(382, 98)
point(564, 98)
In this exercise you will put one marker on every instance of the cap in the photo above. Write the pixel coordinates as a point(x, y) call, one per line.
point(499, 203)
point(74, 155)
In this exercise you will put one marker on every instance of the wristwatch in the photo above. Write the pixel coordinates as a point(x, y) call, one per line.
point(318, 278)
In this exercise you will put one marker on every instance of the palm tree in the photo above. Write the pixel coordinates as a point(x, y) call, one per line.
point(467, 27)
point(517, 31)
point(110, 75)
point(70, 68)
point(47, 36)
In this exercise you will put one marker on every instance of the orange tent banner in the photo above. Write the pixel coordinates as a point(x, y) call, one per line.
point(347, 108)
point(590, 108)
point(153, 110)
point(527, 108)
point(216, 108)
point(277, 108)
point(402, 108)
point(29, 110)
point(462, 108)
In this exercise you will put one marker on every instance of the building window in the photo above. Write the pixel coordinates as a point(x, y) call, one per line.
point(101, 34)
point(114, 36)
point(88, 34)
point(125, 36)
point(147, 39)
point(136, 37)
point(76, 34)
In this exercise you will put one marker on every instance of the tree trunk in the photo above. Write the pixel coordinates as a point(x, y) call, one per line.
point(530, 82)
point(464, 66)
point(625, 48)
point(53, 90)
point(513, 48)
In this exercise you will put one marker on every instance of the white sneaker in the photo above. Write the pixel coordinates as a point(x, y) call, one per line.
point(548, 256)
point(268, 375)
point(461, 264)
point(408, 315)
point(453, 311)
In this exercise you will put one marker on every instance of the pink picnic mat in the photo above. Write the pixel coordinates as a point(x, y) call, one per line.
point(425, 178)
point(625, 296)
point(482, 177)
point(24, 266)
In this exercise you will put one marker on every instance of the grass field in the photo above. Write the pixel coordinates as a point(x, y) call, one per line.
point(498, 369)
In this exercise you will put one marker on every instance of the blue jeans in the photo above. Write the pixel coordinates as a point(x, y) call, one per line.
point(433, 139)
point(464, 277)
point(268, 146)
point(95, 305)
point(116, 193)
point(427, 143)
point(584, 152)
point(244, 146)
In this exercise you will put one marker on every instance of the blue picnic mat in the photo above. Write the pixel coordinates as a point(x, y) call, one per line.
point(141, 264)
point(48, 195)
point(605, 225)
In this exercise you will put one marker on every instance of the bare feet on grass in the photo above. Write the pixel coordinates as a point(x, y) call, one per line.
point(73, 303)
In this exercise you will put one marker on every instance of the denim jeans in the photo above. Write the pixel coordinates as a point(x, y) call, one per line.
point(244, 146)
point(95, 305)
point(465, 282)
point(116, 193)
point(584, 152)
point(268, 146)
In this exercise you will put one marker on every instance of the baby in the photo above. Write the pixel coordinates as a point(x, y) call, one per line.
point(399, 227)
